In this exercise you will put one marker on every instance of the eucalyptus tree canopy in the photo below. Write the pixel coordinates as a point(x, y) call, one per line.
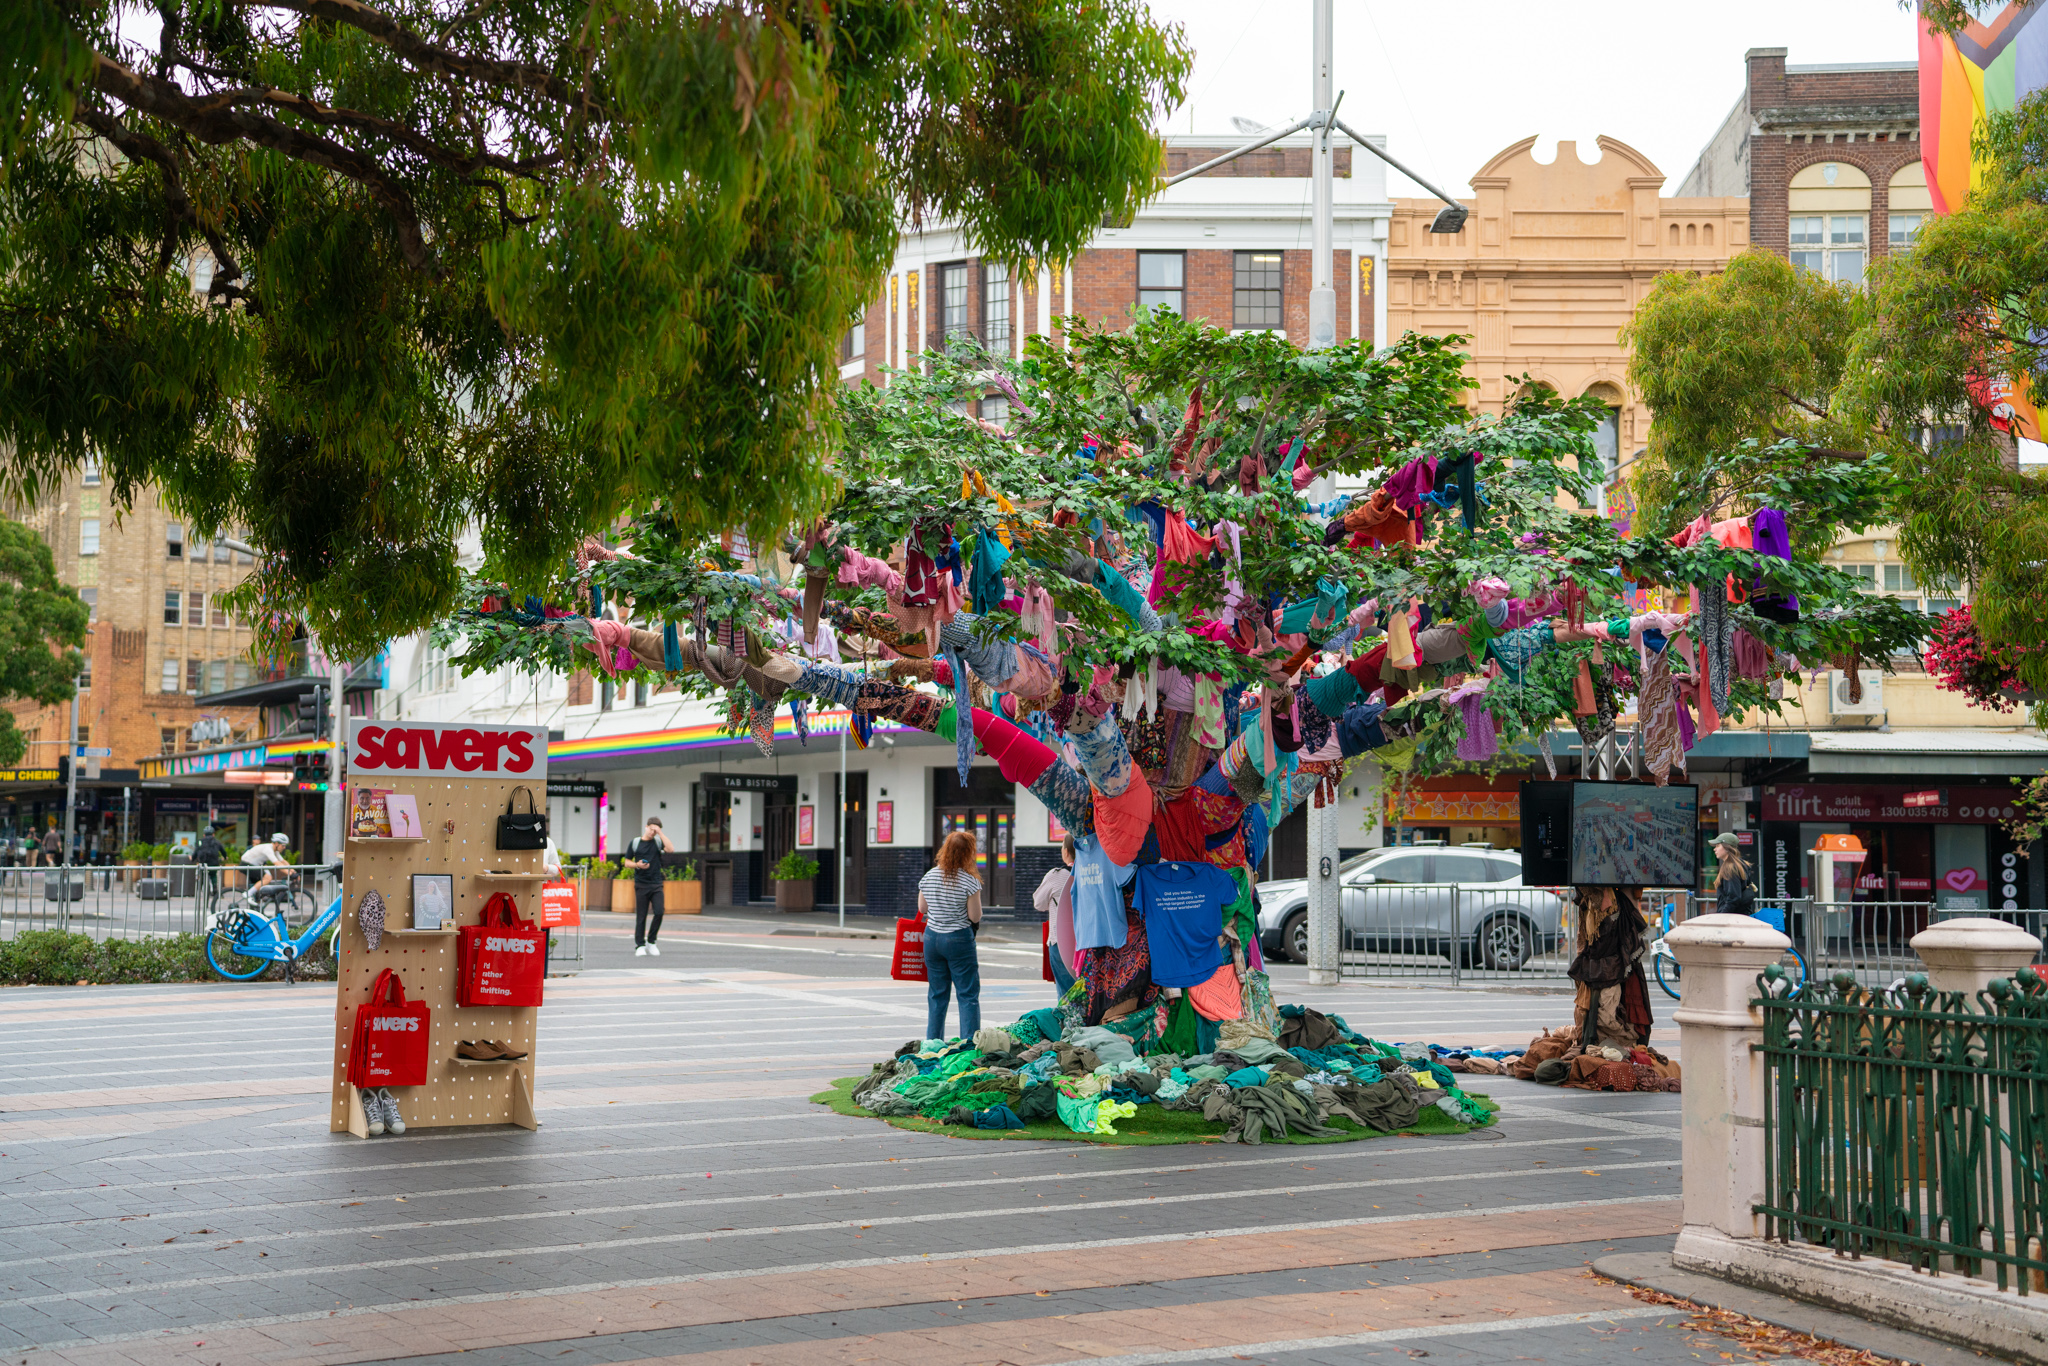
point(517, 264)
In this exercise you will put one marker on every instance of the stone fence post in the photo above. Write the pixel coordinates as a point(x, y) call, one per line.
point(1719, 957)
point(1966, 955)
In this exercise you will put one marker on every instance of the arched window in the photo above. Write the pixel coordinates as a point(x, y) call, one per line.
point(1706, 234)
point(1607, 436)
point(1692, 234)
point(435, 673)
point(1827, 223)
point(1674, 234)
point(1911, 204)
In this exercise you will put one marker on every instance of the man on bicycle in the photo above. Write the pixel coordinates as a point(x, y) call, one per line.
point(268, 857)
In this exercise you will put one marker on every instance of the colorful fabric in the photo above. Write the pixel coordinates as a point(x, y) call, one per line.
point(1115, 974)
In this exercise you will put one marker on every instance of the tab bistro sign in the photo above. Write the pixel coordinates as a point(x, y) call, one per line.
point(1887, 805)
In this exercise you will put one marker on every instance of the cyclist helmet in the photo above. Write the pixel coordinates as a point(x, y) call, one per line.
point(281, 838)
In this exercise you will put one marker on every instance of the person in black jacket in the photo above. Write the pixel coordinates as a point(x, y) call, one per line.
point(643, 856)
point(1734, 893)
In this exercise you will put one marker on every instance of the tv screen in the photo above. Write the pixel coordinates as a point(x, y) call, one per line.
point(1635, 835)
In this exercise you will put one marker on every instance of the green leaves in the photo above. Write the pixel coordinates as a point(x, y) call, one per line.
point(42, 627)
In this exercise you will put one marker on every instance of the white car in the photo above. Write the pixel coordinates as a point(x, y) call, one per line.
point(1404, 900)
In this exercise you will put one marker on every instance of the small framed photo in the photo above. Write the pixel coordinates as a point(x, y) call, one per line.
point(433, 900)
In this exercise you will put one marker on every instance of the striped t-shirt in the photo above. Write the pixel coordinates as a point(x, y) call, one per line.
point(947, 899)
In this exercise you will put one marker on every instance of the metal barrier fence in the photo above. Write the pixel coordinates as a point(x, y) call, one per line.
point(1909, 1125)
point(140, 901)
point(1457, 934)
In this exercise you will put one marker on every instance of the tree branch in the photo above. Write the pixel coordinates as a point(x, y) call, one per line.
point(431, 56)
point(462, 163)
point(161, 99)
point(140, 148)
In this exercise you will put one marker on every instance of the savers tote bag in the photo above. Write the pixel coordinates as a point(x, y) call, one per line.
point(503, 961)
point(390, 1043)
point(906, 964)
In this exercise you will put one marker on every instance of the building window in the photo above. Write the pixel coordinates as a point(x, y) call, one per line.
point(197, 604)
point(1898, 579)
point(953, 303)
point(1674, 234)
point(1607, 446)
point(171, 600)
point(174, 542)
point(84, 676)
point(995, 408)
point(607, 692)
point(1865, 572)
point(640, 692)
point(217, 675)
point(1831, 246)
point(1162, 281)
point(195, 674)
point(167, 739)
point(242, 672)
point(436, 675)
point(91, 598)
point(169, 681)
point(1255, 290)
point(1905, 227)
point(995, 307)
point(89, 536)
point(854, 345)
point(198, 547)
point(1706, 234)
point(89, 472)
point(220, 551)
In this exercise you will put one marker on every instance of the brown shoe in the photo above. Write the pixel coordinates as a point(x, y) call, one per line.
point(485, 1051)
point(507, 1053)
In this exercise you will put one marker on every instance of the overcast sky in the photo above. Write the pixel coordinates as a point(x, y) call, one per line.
point(1451, 85)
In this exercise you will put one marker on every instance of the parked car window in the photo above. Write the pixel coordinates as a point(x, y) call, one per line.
point(1506, 869)
point(1463, 868)
point(1403, 868)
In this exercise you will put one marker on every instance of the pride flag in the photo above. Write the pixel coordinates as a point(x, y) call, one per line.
point(1986, 68)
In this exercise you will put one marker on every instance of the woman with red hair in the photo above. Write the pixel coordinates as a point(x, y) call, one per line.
point(949, 900)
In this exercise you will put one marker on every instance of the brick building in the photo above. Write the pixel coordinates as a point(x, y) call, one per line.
point(1829, 157)
point(1230, 247)
point(158, 639)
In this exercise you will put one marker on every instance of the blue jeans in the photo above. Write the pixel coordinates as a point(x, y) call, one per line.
point(950, 966)
point(1061, 978)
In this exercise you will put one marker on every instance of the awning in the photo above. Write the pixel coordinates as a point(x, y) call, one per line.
point(198, 762)
point(1958, 753)
point(707, 743)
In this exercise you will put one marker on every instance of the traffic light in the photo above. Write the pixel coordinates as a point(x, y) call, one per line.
point(313, 712)
point(312, 772)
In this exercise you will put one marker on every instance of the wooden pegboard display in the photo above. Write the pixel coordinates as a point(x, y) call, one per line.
point(459, 817)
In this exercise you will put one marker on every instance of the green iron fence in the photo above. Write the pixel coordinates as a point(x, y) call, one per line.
point(1909, 1124)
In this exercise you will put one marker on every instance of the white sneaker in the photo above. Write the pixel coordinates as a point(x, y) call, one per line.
point(654, 950)
point(373, 1111)
point(640, 952)
point(392, 1122)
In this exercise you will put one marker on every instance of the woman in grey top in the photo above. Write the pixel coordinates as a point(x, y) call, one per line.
point(949, 900)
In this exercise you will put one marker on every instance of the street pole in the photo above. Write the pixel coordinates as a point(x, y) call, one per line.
point(1323, 892)
point(337, 730)
point(840, 850)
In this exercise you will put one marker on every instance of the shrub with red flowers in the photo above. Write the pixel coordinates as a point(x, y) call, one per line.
point(1961, 660)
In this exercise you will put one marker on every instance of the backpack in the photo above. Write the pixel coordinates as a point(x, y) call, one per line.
point(208, 850)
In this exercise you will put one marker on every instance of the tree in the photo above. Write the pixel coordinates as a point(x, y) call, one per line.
point(42, 628)
point(1173, 419)
point(519, 266)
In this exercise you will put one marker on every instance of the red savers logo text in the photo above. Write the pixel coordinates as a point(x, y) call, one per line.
point(424, 749)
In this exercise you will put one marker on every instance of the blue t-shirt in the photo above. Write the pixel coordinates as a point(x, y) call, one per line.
point(1099, 920)
point(1183, 906)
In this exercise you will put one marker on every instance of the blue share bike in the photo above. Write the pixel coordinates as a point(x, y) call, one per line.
point(1664, 963)
point(251, 934)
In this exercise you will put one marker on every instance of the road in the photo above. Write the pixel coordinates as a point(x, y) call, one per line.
point(169, 1192)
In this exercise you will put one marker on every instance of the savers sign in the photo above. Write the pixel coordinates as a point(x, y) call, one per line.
point(457, 750)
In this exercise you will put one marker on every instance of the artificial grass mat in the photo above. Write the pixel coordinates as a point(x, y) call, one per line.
point(1152, 1124)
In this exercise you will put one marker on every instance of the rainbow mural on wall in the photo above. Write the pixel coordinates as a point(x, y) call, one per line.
point(683, 741)
point(1988, 67)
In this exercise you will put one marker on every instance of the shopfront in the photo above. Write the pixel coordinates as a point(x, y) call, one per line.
point(1938, 845)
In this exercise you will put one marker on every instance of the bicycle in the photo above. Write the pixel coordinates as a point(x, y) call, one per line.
point(1664, 963)
point(253, 931)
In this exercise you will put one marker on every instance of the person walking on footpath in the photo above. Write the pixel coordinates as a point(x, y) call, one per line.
point(949, 899)
point(643, 856)
point(1054, 900)
point(1733, 892)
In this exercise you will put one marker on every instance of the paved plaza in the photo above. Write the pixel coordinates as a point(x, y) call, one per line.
point(170, 1193)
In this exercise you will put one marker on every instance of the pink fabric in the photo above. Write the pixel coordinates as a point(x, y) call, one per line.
point(613, 646)
point(1020, 758)
point(1694, 530)
point(865, 571)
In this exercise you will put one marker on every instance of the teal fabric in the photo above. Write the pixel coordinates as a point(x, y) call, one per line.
point(1247, 1076)
point(1036, 1025)
point(1121, 595)
point(1320, 613)
point(1333, 692)
point(985, 579)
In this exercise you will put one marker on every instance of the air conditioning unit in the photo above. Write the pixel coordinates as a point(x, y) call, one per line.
point(1872, 703)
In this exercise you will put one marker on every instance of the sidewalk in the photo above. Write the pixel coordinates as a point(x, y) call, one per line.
point(821, 923)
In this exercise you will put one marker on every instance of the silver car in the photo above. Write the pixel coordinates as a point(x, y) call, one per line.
point(1425, 900)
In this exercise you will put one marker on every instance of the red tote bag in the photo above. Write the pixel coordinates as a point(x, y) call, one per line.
point(390, 1046)
point(1046, 951)
point(907, 963)
point(503, 961)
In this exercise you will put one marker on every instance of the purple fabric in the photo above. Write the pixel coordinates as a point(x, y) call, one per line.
point(1685, 731)
point(1411, 481)
point(1478, 743)
point(1770, 537)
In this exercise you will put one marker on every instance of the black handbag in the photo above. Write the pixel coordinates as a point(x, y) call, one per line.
point(522, 830)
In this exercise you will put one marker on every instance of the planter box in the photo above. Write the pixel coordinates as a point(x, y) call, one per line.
point(682, 898)
point(622, 895)
point(795, 895)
